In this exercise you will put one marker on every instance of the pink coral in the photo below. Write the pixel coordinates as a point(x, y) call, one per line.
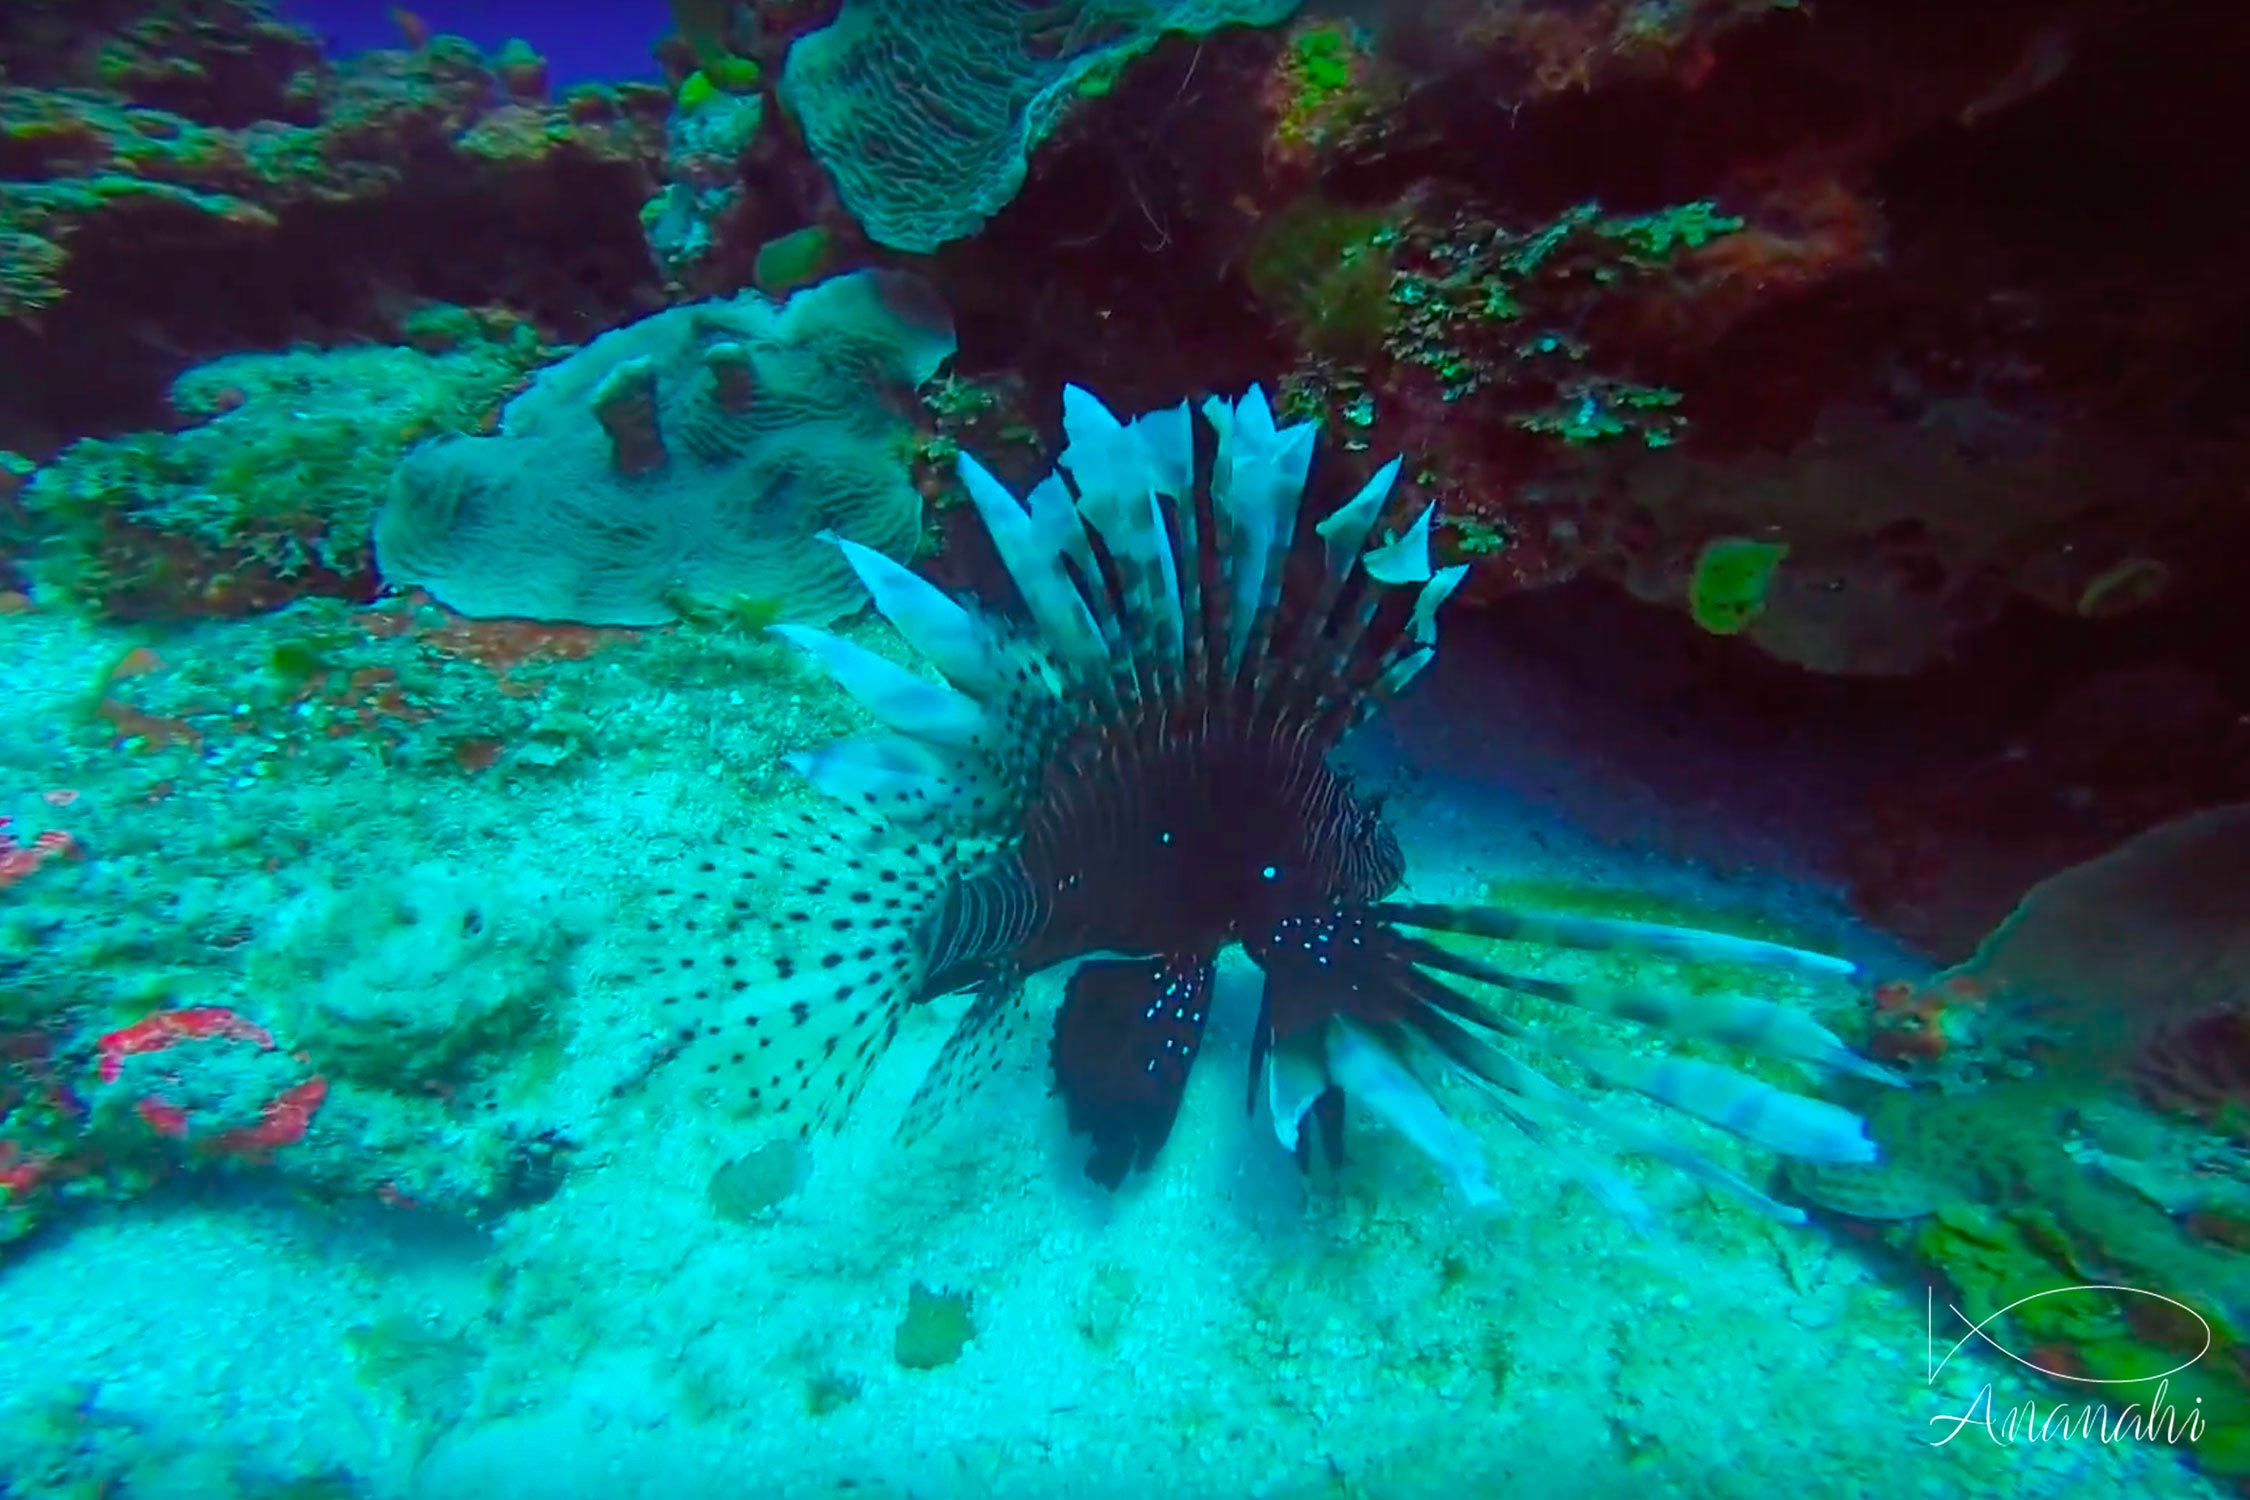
point(18, 860)
point(282, 1122)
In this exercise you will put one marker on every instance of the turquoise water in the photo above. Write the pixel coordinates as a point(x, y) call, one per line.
point(466, 1030)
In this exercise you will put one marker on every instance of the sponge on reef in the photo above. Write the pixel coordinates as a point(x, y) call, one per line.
point(421, 976)
point(698, 453)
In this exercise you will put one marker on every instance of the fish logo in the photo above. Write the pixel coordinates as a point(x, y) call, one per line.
point(1978, 1329)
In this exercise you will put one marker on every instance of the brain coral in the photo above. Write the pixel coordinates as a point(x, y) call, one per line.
point(926, 115)
point(695, 454)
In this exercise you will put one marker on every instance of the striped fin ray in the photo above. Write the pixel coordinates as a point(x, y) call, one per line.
point(1192, 523)
point(911, 704)
point(964, 760)
point(1108, 677)
point(1209, 677)
point(1417, 644)
point(1121, 471)
point(1354, 963)
point(1785, 1123)
point(1032, 544)
point(1406, 559)
point(1055, 519)
point(1521, 1089)
point(1370, 657)
point(1257, 482)
point(1345, 530)
point(1331, 672)
point(1788, 1123)
point(1760, 1026)
point(1534, 1104)
point(1373, 1070)
point(1260, 649)
point(1342, 533)
point(1687, 944)
point(1371, 648)
point(960, 645)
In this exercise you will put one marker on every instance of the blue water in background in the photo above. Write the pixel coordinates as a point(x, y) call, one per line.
point(610, 40)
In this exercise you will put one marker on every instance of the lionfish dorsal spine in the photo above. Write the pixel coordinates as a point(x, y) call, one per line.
point(1345, 529)
point(1406, 559)
point(1031, 548)
point(1343, 533)
point(1257, 481)
point(939, 629)
point(1123, 473)
point(1148, 593)
point(904, 701)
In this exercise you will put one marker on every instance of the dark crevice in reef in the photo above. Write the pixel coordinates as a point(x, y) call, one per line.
point(563, 250)
point(1114, 266)
point(1935, 800)
point(2105, 197)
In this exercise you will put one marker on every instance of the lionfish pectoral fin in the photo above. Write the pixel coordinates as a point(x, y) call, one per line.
point(1294, 1075)
point(1340, 1002)
point(1471, 1034)
point(972, 1052)
point(1125, 1040)
point(1379, 1002)
point(788, 1018)
point(1373, 1066)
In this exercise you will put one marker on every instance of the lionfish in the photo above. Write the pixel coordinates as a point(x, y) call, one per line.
point(1138, 777)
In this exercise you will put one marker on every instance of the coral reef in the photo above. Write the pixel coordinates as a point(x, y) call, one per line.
point(2062, 1137)
point(696, 455)
point(688, 221)
point(1987, 1190)
point(194, 982)
point(1798, 324)
point(704, 216)
point(215, 147)
point(271, 494)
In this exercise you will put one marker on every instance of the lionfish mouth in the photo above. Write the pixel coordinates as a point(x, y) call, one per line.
point(1134, 774)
